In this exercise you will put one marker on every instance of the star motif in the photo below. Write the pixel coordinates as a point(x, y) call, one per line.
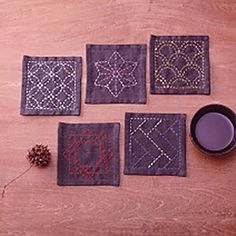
point(115, 74)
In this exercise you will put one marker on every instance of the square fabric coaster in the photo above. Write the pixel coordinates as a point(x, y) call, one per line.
point(88, 154)
point(179, 65)
point(116, 74)
point(155, 144)
point(51, 85)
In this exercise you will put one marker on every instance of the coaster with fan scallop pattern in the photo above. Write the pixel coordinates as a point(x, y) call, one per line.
point(179, 65)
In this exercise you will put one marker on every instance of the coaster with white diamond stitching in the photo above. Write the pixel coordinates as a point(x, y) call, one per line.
point(51, 85)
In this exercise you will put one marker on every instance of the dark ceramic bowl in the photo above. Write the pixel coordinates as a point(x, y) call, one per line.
point(207, 109)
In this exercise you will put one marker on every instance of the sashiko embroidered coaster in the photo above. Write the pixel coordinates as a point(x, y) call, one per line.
point(179, 65)
point(155, 144)
point(116, 74)
point(51, 85)
point(88, 154)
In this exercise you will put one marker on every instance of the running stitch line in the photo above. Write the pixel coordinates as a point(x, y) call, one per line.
point(115, 74)
point(160, 120)
point(179, 75)
point(72, 154)
point(51, 96)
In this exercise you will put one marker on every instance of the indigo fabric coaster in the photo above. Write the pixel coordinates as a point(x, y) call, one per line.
point(88, 154)
point(116, 74)
point(51, 85)
point(179, 65)
point(155, 144)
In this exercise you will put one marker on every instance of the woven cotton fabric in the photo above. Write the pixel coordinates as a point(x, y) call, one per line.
point(155, 144)
point(88, 154)
point(179, 65)
point(116, 74)
point(51, 85)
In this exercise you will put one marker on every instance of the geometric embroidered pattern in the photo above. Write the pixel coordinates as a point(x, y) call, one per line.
point(184, 70)
point(88, 154)
point(51, 86)
point(75, 157)
point(115, 74)
point(155, 144)
point(180, 64)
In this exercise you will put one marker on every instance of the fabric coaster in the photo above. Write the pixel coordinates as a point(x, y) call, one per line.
point(51, 85)
point(155, 144)
point(179, 65)
point(88, 154)
point(116, 74)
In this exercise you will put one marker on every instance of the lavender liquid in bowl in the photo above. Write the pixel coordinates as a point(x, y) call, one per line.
point(214, 131)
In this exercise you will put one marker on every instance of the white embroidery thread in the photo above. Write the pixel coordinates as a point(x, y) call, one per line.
point(142, 121)
point(49, 98)
point(115, 74)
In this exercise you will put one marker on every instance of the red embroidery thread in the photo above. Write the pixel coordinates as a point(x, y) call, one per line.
point(75, 140)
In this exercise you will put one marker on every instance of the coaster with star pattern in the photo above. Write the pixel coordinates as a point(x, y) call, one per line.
point(116, 74)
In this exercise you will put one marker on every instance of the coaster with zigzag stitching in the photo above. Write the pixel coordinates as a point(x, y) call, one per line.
point(155, 144)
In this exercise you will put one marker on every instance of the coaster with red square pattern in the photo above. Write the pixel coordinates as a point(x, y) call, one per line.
point(88, 154)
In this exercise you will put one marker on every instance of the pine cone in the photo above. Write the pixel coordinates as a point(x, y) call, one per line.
point(39, 155)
